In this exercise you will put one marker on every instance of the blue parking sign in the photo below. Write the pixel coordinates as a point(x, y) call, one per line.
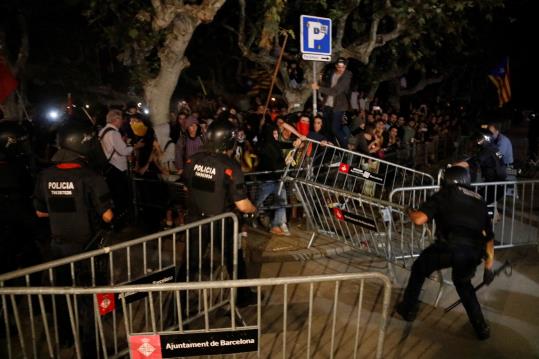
point(316, 37)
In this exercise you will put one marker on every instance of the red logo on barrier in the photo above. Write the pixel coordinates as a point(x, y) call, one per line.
point(145, 347)
point(338, 213)
point(106, 303)
point(344, 168)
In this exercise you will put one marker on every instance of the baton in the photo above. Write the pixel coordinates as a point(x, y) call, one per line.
point(507, 267)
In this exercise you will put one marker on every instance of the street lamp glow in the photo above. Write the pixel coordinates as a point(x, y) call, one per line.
point(53, 115)
point(87, 106)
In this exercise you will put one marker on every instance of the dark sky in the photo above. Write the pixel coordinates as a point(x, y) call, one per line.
point(62, 48)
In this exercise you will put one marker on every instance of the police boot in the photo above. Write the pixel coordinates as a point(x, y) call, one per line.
point(482, 330)
point(406, 311)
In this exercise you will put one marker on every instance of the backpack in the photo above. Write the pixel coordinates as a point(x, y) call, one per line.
point(104, 166)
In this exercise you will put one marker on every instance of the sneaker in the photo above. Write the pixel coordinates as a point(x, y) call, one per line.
point(277, 231)
point(406, 313)
point(284, 228)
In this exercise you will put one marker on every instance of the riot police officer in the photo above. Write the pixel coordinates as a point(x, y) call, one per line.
point(16, 214)
point(487, 158)
point(77, 202)
point(74, 198)
point(464, 236)
point(216, 185)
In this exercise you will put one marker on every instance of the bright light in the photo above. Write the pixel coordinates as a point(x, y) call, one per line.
point(273, 99)
point(146, 111)
point(53, 115)
point(139, 104)
point(87, 106)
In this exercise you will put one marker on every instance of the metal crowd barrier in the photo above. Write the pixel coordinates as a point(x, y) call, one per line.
point(338, 315)
point(162, 194)
point(350, 171)
point(178, 254)
point(513, 208)
point(344, 193)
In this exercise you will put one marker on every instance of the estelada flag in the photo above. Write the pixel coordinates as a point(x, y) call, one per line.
point(8, 82)
point(500, 77)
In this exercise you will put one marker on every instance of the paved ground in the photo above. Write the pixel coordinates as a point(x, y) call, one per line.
point(509, 304)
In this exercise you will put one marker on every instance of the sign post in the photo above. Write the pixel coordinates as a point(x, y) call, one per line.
point(315, 43)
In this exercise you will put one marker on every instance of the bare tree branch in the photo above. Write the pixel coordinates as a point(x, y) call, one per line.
point(423, 82)
point(362, 49)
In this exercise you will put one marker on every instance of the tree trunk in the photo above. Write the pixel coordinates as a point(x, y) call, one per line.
point(158, 91)
point(296, 98)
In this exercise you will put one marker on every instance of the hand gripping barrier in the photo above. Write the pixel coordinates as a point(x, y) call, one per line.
point(350, 171)
point(345, 193)
point(512, 206)
point(330, 316)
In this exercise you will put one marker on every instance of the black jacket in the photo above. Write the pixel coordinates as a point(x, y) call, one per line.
point(271, 154)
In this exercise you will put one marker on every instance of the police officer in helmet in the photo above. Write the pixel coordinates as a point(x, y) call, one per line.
point(488, 159)
point(74, 198)
point(77, 202)
point(216, 185)
point(464, 236)
point(17, 221)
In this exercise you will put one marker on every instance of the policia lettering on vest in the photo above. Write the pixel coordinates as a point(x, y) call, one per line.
point(77, 202)
point(464, 236)
point(216, 185)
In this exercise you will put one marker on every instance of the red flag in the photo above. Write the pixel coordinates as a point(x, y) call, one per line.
point(8, 82)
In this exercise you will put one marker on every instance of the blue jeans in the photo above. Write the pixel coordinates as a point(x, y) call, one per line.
point(264, 191)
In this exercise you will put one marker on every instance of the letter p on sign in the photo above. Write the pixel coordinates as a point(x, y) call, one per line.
point(316, 33)
point(315, 38)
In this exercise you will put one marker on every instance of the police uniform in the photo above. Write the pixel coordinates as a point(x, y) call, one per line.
point(215, 182)
point(463, 229)
point(17, 222)
point(18, 226)
point(75, 198)
point(489, 160)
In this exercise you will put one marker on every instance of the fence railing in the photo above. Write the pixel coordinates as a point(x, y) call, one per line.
point(163, 194)
point(350, 171)
point(512, 206)
point(339, 315)
point(199, 251)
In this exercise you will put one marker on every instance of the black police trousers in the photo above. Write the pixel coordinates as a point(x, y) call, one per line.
point(463, 261)
point(198, 244)
point(85, 308)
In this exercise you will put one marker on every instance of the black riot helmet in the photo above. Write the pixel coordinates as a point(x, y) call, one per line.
point(456, 175)
point(221, 136)
point(78, 137)
point(483, 136)
point(13, 138)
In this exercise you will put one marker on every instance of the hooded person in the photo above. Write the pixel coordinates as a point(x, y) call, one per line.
point(272, 161)
point(188, 144)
